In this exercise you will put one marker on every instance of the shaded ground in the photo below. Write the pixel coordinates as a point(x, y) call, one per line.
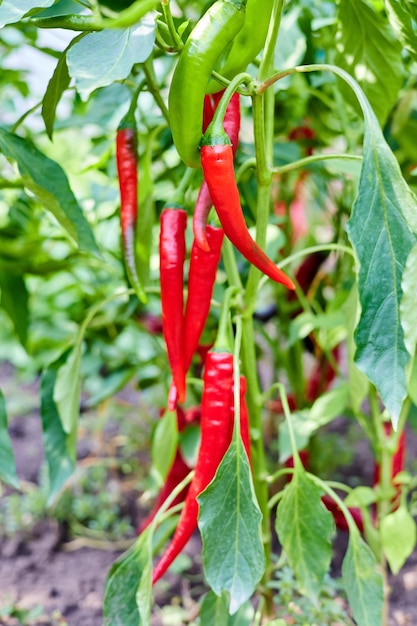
point(56, 582)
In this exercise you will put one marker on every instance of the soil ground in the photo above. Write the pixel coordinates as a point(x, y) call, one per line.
point(61, 583)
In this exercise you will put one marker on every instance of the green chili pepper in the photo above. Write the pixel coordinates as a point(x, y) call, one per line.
point(248, 42)
point(209, 38)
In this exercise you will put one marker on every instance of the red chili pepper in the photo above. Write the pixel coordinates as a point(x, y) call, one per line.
point(231, 125)
point(127, 161)
point(216, 416)
point(172, 256)
point(201, 277)
point(217, 164)
point(339, 518)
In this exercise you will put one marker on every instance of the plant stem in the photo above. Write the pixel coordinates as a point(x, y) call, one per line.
point(154, 88)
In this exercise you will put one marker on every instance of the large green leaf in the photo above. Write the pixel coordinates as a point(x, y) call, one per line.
point(48, 182)
point(67, 389)
point(401, 21)
point(12, 11)
point(128, 592)
point(230, 526)
point(362, 582)
point(362, 36)
point(101, 58)
point(382, 230)
point(305, 527)
point(7, 463)
point(14, 300)
point(60, 447)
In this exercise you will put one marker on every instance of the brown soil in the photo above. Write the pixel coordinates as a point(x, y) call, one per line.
point(66, 580)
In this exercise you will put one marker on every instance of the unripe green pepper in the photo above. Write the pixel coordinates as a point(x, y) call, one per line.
point(247, 44)
point(214, 32)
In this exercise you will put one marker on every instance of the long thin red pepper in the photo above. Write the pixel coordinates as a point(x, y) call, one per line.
point(127, 164)
point(201, 278)
point(172, 256)
point(231, 125)
point(215, 439)
point(217, 164)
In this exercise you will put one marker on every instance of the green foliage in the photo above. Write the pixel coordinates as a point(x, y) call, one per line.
point(65, 308)
point(305, 529)
point(228, 508)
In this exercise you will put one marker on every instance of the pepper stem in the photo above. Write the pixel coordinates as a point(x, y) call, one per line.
point(224, 341)
point(215, 133)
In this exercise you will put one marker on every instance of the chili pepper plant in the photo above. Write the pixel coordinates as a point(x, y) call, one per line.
point(215, 202)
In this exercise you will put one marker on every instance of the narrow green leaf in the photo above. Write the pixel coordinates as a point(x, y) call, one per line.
point(48, 182)
point(362, 34)
point(67, 389)
point(12, 11)
point(59, 82)
point(147, 215)
point(228, 509)
point(164, 444)
point(362, 582)
point(382, 230)
point(128, 591)
point(101, 58)
point(60, 447)
point(401, 21)
point(398, 537)
point(214, 611)
point(7, 462)
point(14, 300)
point(408, 305)
point(305, 528)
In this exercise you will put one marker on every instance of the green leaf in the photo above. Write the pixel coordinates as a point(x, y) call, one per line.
point(48, 182)
point(67, 389)
point(382, 230)
point(103, 57)
point(12, 11)
point(363, 33)
point(305, 527)
point(14, 300)
point(60, 447)
point(147, 215)
point(401, 21)
point(305, 423)
point(362, 582)
point(214, 611)
point(164, 444)
point(7, 462)
point(59, 82)
point(128, 591)
point(408, 306)
point(228, 510)
point(398, 537)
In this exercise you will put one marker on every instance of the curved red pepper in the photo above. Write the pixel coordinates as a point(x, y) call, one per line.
point(217, 164)
point(231, 125)
point(172, 256)
point(216, 416)
point(201, 277)
point(127, 162)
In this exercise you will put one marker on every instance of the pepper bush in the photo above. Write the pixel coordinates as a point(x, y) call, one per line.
point(324, 175)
